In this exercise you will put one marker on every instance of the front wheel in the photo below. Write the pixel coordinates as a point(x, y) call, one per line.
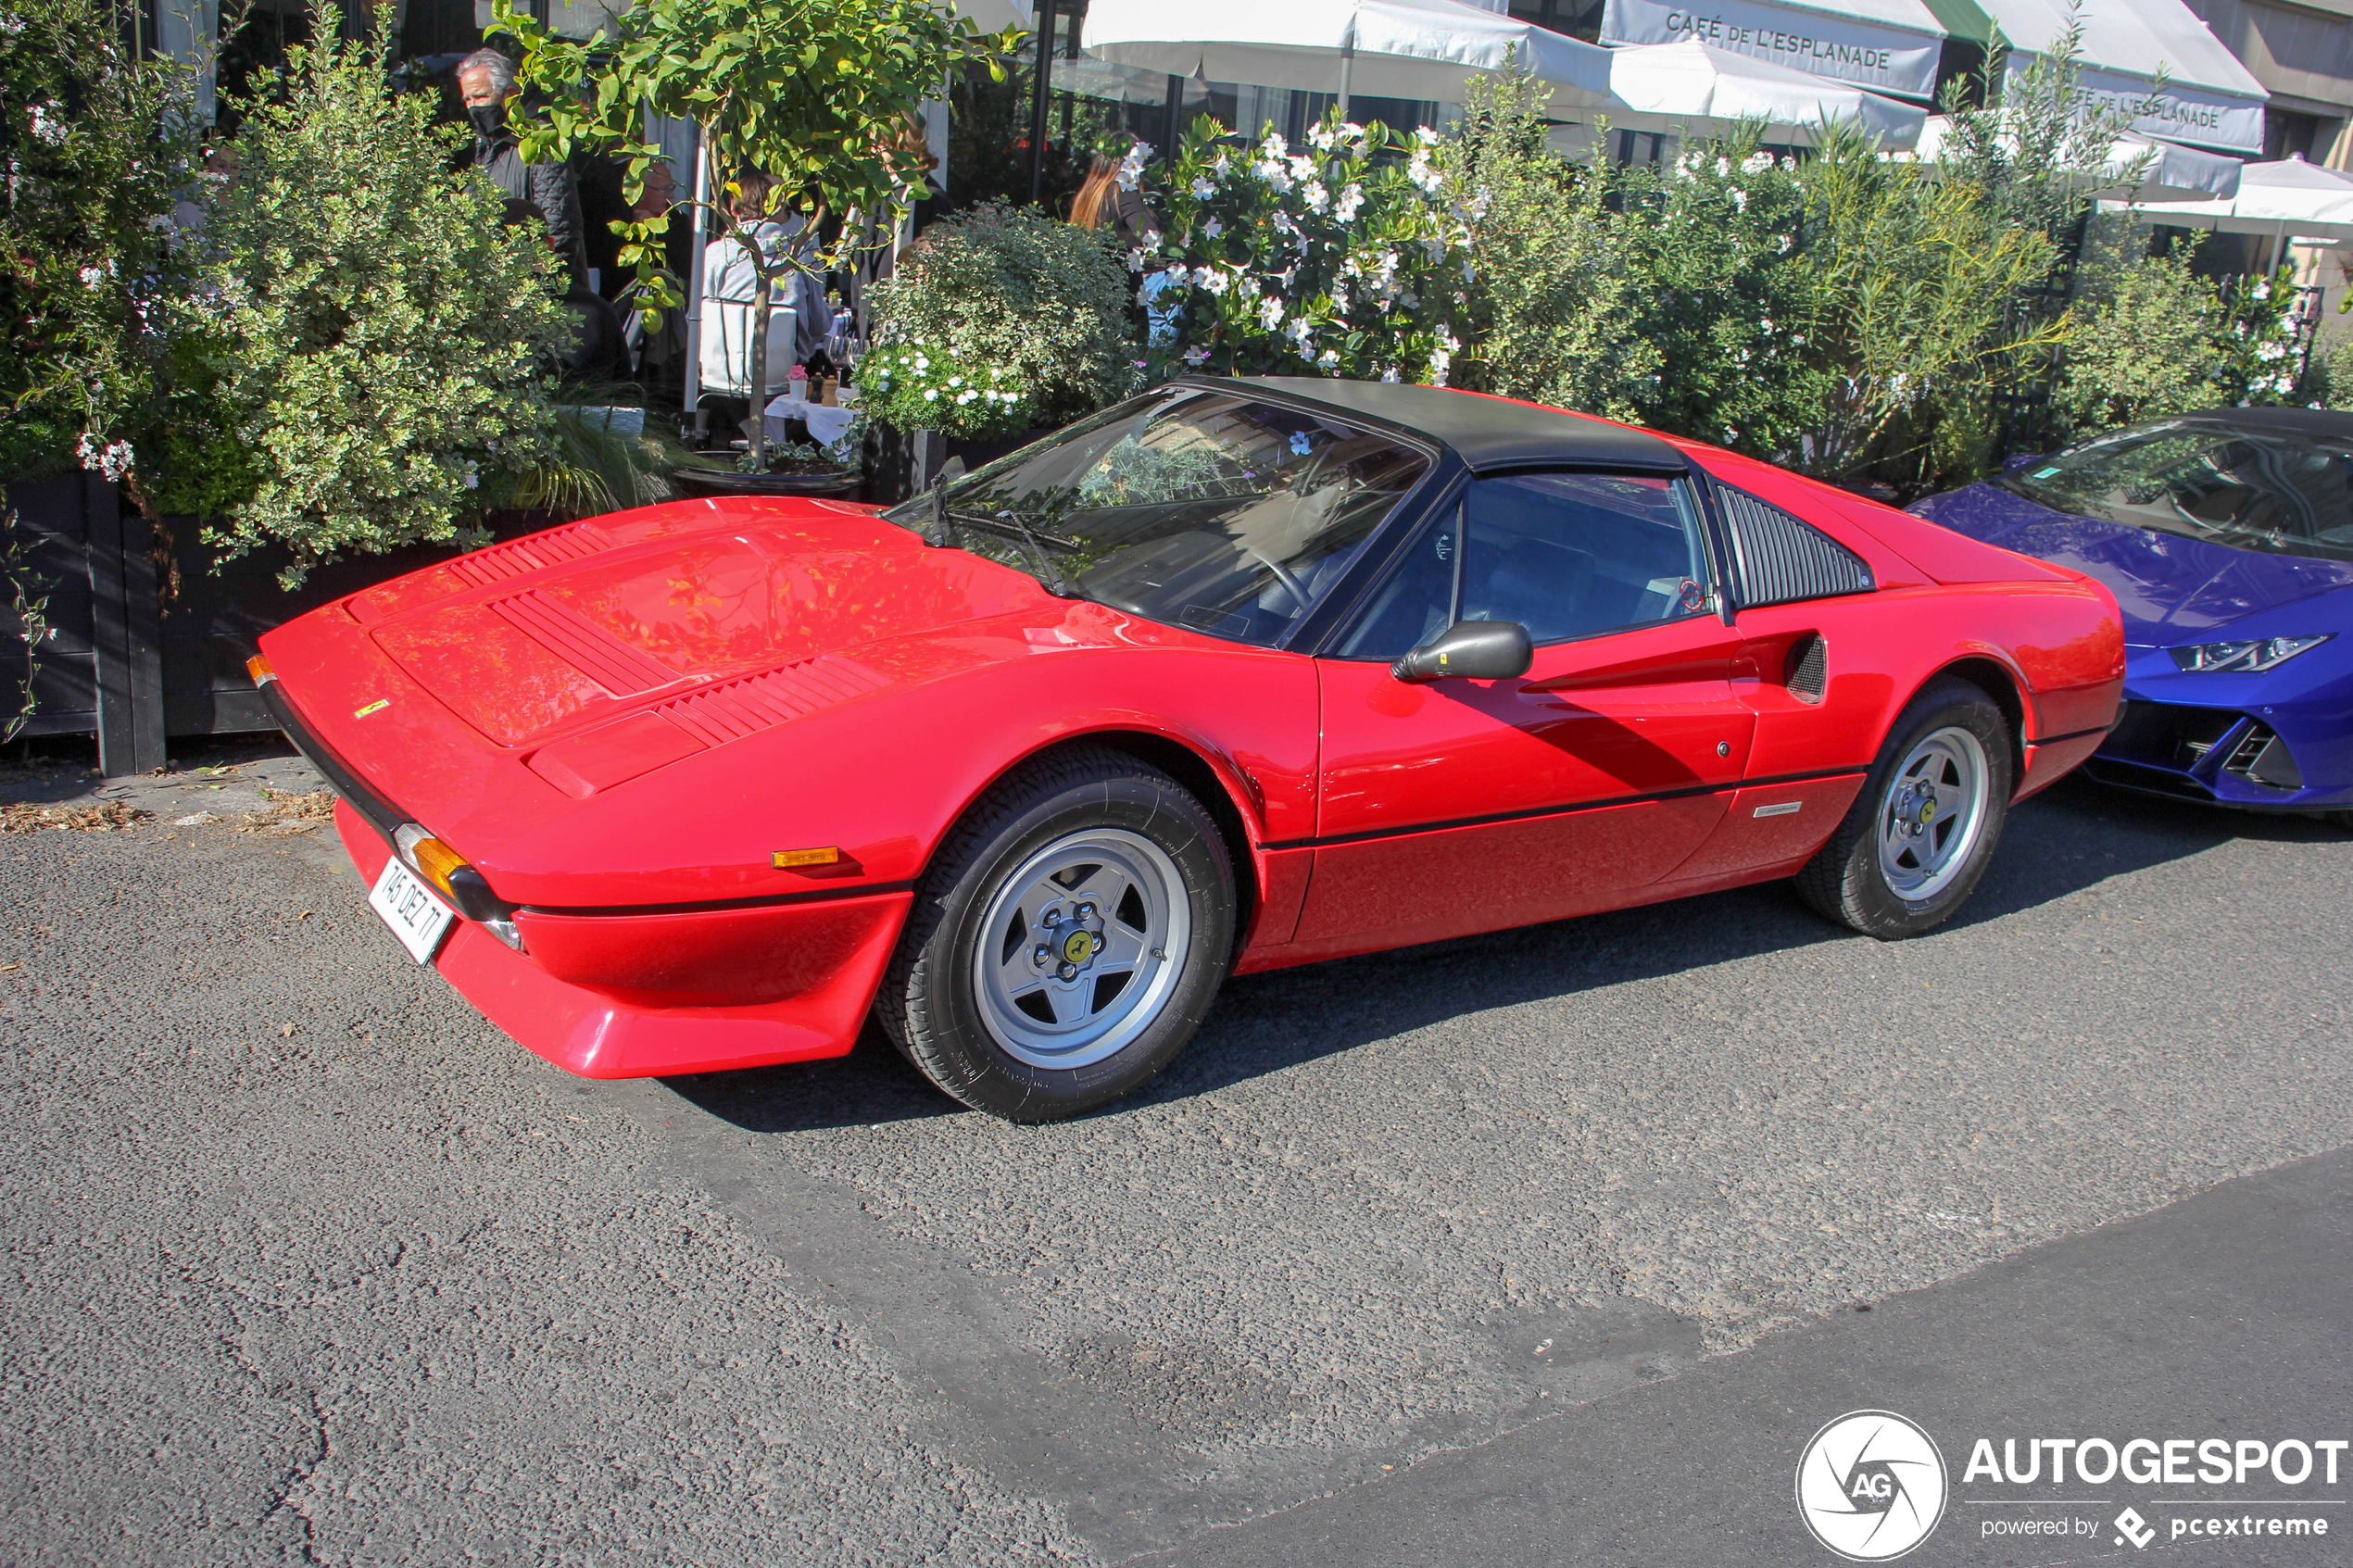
point(1068, 940)
point(1911, 848)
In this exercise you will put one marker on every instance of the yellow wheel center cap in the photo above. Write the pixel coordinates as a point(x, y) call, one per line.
point(1927, 813)
point(1078, 946)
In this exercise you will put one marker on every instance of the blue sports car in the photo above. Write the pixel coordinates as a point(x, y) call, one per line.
point(2227, 537)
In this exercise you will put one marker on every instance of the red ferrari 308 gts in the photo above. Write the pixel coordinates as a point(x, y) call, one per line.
point(1238, 674)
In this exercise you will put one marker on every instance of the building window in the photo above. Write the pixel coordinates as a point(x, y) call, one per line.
point(1577, 19)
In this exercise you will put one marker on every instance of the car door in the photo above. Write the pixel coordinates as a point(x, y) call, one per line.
point(1457, 805)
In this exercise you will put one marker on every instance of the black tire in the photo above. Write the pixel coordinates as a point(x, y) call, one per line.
point(1848, 880)
point(931, 1002)
point(2342, 819)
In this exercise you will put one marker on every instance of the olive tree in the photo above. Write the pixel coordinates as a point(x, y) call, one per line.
point(815, 94)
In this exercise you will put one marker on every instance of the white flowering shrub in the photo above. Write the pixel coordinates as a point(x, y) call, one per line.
point(999, 320)
point(1348, 255)
point(2157, 339)
point(378, 339)
point(98, 147)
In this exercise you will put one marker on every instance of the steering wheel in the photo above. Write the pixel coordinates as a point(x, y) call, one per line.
point(1292, 586)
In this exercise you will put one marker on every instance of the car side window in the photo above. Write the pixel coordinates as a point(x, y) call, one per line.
point(1565, 554)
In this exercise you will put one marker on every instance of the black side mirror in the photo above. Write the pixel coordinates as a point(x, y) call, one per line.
point(1483, 650)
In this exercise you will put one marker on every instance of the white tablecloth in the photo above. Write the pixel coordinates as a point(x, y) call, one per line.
point(826, 426)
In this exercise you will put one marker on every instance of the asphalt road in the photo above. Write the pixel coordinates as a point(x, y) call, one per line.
point(306, 1263)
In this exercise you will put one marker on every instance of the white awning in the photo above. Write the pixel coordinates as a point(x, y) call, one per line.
point(1416, 49)
point(2209, 98)
point(1693, 88)
point(1891, 45)
point(2166, 171)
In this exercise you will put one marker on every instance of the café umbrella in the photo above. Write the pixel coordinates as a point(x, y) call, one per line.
point(1695, 88)
point(1425, 50)
point(2291, 200)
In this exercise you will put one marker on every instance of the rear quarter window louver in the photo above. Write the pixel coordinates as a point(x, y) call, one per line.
point(1779, 560)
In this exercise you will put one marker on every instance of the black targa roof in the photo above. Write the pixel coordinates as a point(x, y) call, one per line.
point(1486, 433)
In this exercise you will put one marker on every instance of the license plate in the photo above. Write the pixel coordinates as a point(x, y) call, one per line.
point(419, 919)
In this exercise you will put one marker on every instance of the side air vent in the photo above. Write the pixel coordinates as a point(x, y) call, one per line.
point(2262, 757)
point(1807, 668)
point(1779, 560)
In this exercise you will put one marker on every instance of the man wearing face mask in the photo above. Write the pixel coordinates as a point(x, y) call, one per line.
point(487, 80)
point(546, 193)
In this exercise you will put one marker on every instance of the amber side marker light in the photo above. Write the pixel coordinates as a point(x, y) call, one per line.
point(261, 669)
point(793, 860)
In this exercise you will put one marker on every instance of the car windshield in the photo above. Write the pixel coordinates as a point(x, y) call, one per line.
point(1205, 510)
point(2281, 492)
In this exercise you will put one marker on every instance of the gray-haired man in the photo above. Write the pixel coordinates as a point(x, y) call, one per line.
point(487, 80)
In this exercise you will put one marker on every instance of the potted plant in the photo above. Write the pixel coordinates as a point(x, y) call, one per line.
point(998, 325)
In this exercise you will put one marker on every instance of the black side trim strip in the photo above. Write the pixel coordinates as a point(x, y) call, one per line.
point(763, 901)
point(1568, 809)
point(381, 814)
point(2072, 735)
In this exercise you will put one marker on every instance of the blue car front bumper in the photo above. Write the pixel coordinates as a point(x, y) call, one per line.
point(2280, 741)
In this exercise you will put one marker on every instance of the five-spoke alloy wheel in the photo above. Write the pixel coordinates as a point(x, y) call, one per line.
point(1923, 829)
point(1067, 939)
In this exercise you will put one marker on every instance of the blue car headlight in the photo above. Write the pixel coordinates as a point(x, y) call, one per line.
point(2243, 657)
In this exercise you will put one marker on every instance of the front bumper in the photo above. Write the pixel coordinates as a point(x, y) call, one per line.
point(647, 994)
point(802, 977)
point(2254, 743)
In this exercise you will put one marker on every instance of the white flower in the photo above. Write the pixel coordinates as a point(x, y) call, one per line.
point(1389, 374)
point(1222, 167)
point(1204, 187)
point(1271, 170)
point(1212, 229)
point(2270, 351)
point(1424, 174)
point(1302, 169)
point(473, 476)
point(113, 461)
point(1131, 168)
point(1270, 313)
point(2260, 291)
point(1136, 261)
point(1351, 201)
point(1757, 163)
point(923, 361)
point(1739, 199)
point(93, 276)
point(1300, 330)
point(1323, 138)
point(1317, 198)
point(1327, 360)
point(1439, 363)
point(1273, 146)
point(1425, 135)
point(1212, 279)
point(1197, 356)
point(955, 381)
point(931, 394)
point(1340, 301)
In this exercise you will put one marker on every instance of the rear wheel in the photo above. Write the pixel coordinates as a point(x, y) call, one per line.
point(1913, 846)
point(1068, 940)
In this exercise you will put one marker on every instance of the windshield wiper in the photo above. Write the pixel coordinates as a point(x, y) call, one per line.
point(1051, 574)
point(946, 517)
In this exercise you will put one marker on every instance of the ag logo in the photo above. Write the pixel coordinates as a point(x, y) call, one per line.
point(1871, 1485)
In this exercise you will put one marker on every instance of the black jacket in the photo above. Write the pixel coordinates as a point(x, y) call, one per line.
point(549, 190)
